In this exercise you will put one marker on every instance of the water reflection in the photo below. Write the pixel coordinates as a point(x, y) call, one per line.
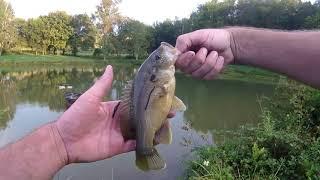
point(41, 87)
point(32, 97)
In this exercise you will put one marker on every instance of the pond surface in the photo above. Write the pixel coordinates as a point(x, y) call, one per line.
point(31, 97)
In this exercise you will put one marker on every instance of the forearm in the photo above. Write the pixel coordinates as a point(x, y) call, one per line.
point(295, 54)
point(38, 156)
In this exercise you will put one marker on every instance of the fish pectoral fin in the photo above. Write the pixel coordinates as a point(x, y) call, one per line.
point(178, 105)
point(164, 135)
point(150, 162)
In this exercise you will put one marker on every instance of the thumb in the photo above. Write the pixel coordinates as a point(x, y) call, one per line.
point(185, 42)
point(103, 85)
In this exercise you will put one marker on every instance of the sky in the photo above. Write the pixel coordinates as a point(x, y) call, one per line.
point(147, 11)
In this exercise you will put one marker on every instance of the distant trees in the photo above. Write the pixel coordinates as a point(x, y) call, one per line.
point(112, 34)
point(7, 32)
point(135, 37)
point(45, 33)
point(56, 30)
point(84, 33)
point(107, 16)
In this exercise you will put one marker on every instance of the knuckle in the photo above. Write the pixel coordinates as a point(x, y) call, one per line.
point(215, 54)
point(181, 39)
point(198, 61)
point(210, 63)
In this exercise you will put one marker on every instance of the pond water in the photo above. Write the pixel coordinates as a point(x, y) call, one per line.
point(31, 97)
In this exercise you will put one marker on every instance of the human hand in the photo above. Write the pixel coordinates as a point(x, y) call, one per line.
point(204, 52)
point(89, 130)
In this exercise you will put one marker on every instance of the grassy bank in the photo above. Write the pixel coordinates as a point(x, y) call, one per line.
point(53, 59)
point(285, 145)
point(18, 62)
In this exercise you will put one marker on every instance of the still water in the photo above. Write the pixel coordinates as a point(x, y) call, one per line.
point(31, 97)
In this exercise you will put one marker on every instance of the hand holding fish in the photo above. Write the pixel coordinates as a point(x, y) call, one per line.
point(204, 52)
point(89, 129)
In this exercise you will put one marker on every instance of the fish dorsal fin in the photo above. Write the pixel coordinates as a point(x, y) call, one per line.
point(126, 96)
point(126, 111)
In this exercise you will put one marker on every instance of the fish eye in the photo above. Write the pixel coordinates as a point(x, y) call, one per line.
point(157, 57)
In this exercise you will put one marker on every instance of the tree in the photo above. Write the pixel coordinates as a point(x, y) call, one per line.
point(108, 16)
point(214, 14)
point(7, 31)
point(84, 33)
point(313, 21)
point(135, 37)
point(35, 36)
point(22, 33)
point(57, 30)
point(164, 32)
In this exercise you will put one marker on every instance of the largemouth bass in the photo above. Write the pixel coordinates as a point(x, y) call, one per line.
point(145, 104)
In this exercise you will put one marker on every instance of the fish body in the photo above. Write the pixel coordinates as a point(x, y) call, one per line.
point(147, 100)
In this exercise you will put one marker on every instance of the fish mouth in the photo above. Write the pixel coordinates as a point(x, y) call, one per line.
point(169, 53)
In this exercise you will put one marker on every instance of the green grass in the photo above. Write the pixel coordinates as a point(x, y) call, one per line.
point(42, 58)
point(28, 59)
point(249, 74)
point(233, 72)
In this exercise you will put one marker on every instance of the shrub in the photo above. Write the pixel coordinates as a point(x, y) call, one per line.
point(285, 144)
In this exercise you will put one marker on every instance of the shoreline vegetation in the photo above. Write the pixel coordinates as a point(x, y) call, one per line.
point(285, 145)
point(233, 72)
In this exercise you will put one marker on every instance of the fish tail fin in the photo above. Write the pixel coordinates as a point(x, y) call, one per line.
point(150, 162)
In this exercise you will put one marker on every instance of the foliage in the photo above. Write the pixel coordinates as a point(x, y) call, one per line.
point(116, 35)
point(108, 17)
point(21, 26)
point(284, 146)
point(56, 30)
point(84, 33)
point(313, 21)
point(134, 37)
point(7, 33)
point(168, 31)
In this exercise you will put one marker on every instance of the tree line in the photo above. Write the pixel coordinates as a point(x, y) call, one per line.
point(108, 33)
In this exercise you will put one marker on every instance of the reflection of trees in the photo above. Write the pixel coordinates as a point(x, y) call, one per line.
point(40, 86)
point(220, 105)
point(8, 101)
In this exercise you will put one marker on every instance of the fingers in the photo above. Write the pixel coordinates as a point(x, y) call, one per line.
point(129, 146)
point(209, 64)
point(184, 60)
point(103, 85)
point(189, 40)
point(216, 70)
point(197, 61)
point(171, 114)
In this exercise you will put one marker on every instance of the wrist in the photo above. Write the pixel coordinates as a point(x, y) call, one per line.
point(37, 156)
point(59, 144)
point(235, 44)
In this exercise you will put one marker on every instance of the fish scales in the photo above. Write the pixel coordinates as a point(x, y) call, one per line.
point(147, 100)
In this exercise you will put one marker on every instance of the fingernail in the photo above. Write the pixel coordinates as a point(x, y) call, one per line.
point(204, 51)
point(109, 67)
